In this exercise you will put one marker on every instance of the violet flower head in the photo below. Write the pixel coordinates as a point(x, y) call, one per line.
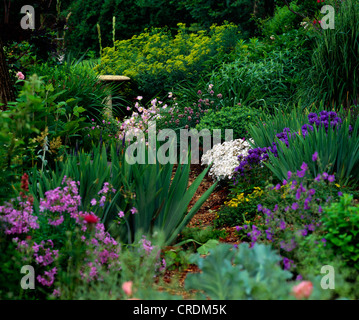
point(315, 156)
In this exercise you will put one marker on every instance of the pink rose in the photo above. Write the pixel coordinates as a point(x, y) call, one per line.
point(303, 290)
point(127, 287)
point(20, 76)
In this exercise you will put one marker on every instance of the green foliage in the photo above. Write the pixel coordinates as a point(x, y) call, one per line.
point(35, 111)
point(282, 21)
point(132, 17)
point(333, 74)
point(160, 200)
point(10, 276)
point(263, 74)
point(341, 221)
point(177, 258)
point(312, 254)
point(236, 118)
point(201, 235)
point(156, 60)
point(265, 128)
point(243, 273)
point(240, 209)
point(92, 171)
point(77, 80)
point(137, 266)
point(240, 12)
point(338, 151)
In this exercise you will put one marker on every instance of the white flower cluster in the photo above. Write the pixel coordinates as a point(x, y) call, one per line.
point(225, 158)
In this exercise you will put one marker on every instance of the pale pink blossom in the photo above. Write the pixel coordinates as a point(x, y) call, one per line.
point(303, 290)
point(20, 76)
point(127, 287)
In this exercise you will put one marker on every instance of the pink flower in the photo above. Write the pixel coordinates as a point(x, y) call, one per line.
point(303, 290)
point(20, 76)
point(127, 287)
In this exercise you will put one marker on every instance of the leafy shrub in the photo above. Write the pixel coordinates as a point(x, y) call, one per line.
point(236, 118)
point(312, 254)
point(205, 12)
point(263, 74)
point(341, 221)
point(240, 209)
point(35, 130)
point(243, 273)
point(155, 59)
point(132, 17)
point(188, 109)
point(78, 82)
point(282, 21)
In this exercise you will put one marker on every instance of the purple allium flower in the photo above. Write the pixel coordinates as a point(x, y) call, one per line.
point(295, 206)
point(331, 178)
